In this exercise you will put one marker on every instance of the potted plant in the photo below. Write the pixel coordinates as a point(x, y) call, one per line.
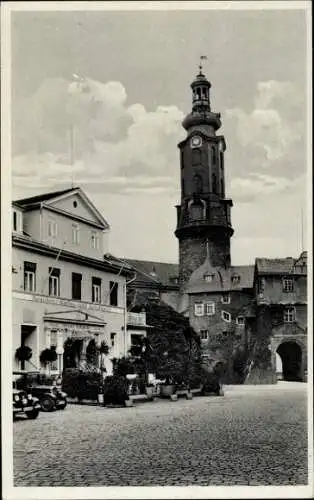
point(48, 356)
point(23, 353)
point(142, 355)
point(103, 350)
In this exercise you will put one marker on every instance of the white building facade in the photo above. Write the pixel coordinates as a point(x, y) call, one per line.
point(64, 290)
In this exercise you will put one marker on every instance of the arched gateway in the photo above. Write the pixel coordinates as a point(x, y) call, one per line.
point(291, 354)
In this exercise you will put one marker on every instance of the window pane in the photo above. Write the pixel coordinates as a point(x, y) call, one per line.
point(113, 293)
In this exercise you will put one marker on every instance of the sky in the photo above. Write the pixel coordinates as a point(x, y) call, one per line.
point(126, 118)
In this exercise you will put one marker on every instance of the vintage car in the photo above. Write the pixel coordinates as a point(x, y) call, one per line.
point(50, 395)
point(24, 403)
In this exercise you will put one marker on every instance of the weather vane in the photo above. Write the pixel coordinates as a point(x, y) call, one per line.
point(202, 58)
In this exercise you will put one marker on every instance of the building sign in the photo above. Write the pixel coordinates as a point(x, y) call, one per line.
point(81, 306)
point(73, 330)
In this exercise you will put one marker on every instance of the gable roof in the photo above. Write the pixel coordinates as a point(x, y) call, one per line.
point(24, 202)
point(222, 279)
point(46, 199)
point(152, 272)
point(286, 265)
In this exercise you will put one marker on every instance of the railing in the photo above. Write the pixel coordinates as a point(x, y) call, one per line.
point(136, 319)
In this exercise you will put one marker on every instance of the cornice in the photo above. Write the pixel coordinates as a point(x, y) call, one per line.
point(65, 255)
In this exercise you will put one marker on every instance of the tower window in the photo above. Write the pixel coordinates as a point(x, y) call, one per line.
point(197, 184)
point(196, 157)
point(214, 183)
point(222, 186)
point(221, 156)
point(213, 155)
point(196, 211)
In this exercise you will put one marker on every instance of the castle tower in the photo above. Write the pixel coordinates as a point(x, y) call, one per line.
point(203, 216)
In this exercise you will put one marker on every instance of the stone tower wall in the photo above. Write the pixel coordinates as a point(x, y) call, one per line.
point(193, 252)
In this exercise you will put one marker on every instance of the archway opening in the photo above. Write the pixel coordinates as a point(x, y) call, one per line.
point(291, 357)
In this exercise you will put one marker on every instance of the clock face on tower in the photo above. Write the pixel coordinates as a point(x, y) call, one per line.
point(196, 141)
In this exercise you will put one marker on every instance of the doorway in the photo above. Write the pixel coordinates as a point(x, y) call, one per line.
point(291, 358)
point(72, 353)
point(29, 339)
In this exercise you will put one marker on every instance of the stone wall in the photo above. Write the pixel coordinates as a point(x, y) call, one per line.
point(227, 340)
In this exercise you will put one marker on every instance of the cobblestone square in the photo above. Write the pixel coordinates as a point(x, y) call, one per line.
point(254, 435)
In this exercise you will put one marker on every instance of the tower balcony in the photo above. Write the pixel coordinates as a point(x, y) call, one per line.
point(203, 227)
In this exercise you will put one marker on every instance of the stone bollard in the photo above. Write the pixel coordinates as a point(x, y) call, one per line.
point(174, 397)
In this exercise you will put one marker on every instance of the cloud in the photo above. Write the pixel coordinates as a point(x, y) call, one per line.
point(273, 129)
point(122, 147)
point(256, 186)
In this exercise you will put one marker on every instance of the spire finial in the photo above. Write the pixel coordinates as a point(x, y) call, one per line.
point(202, 58)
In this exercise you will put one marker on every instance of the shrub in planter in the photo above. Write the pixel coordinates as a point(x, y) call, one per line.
point(123, 366)
point(48, 356)
point(115, 390)
point(81, 385)
point(23, 353)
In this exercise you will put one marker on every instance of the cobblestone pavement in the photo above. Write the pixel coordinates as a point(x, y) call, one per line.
point(252, 436)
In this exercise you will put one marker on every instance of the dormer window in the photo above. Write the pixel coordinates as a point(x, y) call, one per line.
point(174, 279)
point(235, 280)
point(209, 277)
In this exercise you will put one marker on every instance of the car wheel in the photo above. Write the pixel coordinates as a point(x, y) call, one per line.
point(32, 414)
point(47, 404)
